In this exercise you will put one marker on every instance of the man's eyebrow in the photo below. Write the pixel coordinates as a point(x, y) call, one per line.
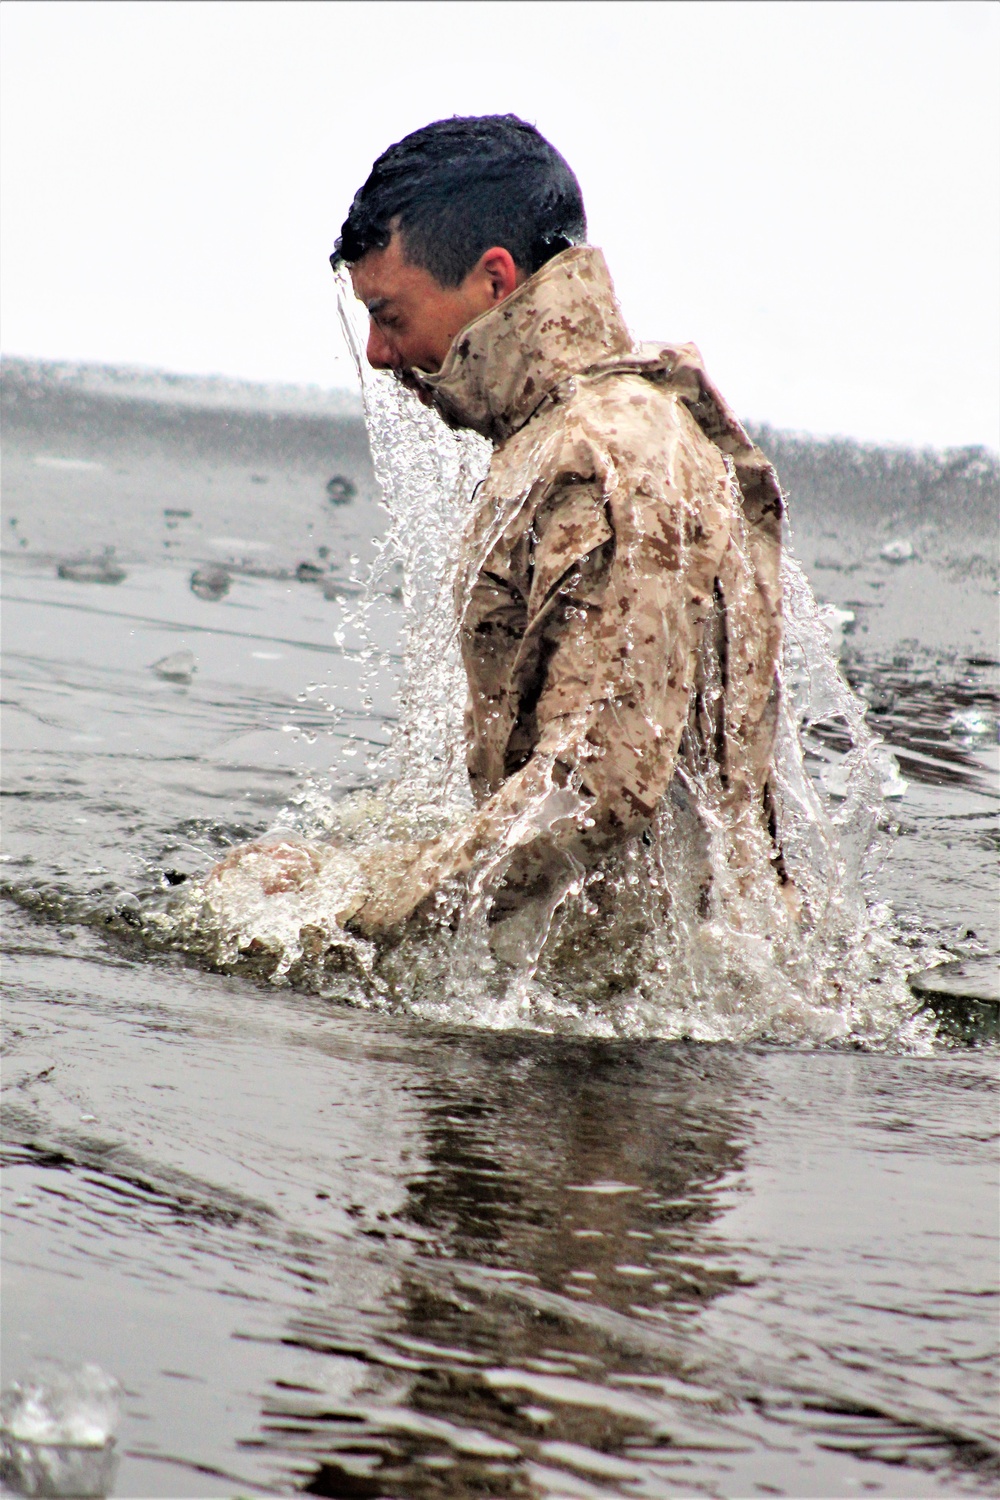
point(377, 304)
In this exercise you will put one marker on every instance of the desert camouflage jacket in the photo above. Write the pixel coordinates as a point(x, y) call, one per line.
point(619, 601)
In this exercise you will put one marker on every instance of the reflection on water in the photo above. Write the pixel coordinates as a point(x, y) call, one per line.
point(330, 1251)
point(569, 1196)
point(555, 1324)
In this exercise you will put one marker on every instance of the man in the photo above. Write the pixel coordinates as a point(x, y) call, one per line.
point(619, 602)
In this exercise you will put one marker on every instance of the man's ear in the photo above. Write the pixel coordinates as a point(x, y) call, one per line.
point(503, 275)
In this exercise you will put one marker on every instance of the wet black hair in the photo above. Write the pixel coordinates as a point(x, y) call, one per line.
point(457, 187)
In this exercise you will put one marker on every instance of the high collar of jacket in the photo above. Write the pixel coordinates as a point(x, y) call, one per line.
point(562, 321)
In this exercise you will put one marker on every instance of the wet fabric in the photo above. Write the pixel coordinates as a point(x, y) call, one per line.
point(618, 598)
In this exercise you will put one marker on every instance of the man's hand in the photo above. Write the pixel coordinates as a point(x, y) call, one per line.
point(397, 878)
point(402, 879)
point(276, 864)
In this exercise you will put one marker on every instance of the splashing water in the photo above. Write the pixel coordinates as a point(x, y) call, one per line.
point(626, 949)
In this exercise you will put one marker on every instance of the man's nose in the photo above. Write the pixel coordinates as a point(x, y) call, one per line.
point(381, 355)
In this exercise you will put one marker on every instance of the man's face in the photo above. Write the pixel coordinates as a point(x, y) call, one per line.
point(412, 317)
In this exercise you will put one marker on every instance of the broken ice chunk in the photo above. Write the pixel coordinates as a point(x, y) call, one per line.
point(973, 722)
point(210, 583)
point(60, 1405)
point(897, 552)
point(103, 569)
point(179, 667)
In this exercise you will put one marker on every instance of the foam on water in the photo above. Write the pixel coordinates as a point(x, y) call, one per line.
point(627, 949)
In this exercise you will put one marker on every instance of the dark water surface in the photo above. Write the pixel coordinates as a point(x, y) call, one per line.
point(331, 1252)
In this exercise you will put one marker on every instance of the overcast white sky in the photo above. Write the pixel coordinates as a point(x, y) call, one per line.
point(809, 191)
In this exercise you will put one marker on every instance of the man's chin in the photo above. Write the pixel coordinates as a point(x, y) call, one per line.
point(412, 382)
